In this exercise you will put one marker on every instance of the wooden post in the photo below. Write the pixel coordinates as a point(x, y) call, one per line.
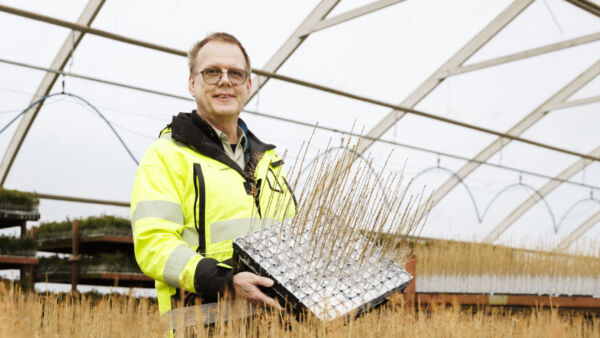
point(23, 229)
point(411, 267)
point(75, 258)
point(32, 268)
point(23, 270)
point(32, 276)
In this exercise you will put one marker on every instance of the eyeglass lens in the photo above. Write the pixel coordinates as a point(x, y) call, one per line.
point(213, 75)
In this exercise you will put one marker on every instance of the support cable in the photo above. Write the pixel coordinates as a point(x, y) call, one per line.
point(529, 187)
point(44, 98)
point(572, 207)
point(460, 180)
point(481, 215)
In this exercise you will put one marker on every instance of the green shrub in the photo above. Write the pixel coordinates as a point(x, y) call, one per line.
point(109, 225)
point(53, 264)
point(25, 246)
point(115, 262)
point(13, 199)
point(52, 229)
point(103, 262)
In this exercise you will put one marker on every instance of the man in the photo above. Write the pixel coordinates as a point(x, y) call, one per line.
point(204, 182)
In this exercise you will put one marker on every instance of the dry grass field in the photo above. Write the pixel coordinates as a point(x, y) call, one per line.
point(31, 315)
point(467, 258)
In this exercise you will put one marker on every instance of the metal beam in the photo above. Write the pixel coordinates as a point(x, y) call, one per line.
point(80, 199)
point(576, 103)
point(524, 54)
point(422, 114)
point(528, 121)
point(578, 232)
point(586, 5)
point(84, 28)
point(455, 61)
point(95, 79)
point(71, 42)
point(546, 189)
point(292, 43)
point(352, 14)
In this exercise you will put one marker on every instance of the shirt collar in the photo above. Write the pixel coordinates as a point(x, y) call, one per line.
point(225, 139)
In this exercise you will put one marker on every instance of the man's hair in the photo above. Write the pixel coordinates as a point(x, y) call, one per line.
point(219, 36)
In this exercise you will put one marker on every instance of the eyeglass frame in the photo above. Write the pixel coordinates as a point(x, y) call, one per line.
point(223, 70)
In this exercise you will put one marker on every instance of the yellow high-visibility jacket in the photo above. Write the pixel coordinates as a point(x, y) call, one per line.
point(190, 200)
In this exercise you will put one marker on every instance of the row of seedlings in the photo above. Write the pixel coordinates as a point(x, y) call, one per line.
point(18, 252)
point(97, 250)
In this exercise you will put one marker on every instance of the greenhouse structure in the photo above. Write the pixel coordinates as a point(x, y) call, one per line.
point(489, 110)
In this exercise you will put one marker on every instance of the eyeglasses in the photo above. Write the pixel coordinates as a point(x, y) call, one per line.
point(212, 76)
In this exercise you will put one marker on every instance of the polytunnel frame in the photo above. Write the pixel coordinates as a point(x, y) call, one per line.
point(316, 21)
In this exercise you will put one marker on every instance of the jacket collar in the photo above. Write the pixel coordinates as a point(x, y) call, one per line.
point(191, 130)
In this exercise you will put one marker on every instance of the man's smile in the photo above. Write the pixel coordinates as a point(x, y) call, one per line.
point(224, 97)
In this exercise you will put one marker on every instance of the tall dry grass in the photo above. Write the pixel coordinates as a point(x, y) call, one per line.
point(32, 315)
point(465, 258)
point(53, 315)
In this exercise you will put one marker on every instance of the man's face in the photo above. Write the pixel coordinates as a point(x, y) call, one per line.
point(222, 101)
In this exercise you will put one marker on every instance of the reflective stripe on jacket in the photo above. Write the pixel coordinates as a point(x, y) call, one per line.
point(189, 202)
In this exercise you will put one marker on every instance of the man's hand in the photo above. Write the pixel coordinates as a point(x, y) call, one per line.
point(246, 285)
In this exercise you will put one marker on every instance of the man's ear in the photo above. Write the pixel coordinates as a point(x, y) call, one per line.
point(192, 85)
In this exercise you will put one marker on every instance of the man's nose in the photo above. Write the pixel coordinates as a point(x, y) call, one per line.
point(224, 79)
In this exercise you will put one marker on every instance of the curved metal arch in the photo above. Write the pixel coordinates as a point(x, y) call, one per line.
point(87, 103)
